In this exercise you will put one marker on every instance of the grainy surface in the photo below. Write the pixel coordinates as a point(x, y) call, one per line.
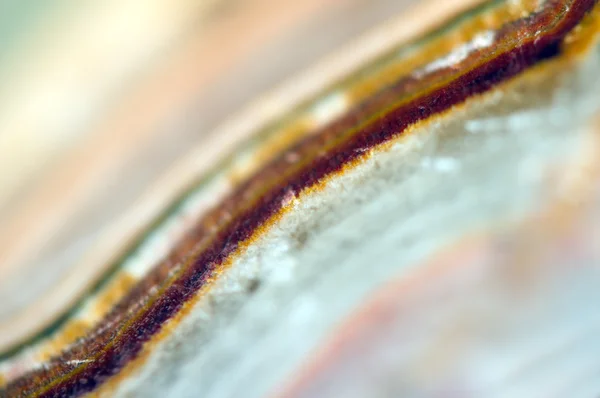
point(348, 140)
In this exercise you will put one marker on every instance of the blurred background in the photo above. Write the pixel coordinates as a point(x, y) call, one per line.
point(99, 98)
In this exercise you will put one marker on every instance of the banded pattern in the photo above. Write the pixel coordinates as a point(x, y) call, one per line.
point(298, 155)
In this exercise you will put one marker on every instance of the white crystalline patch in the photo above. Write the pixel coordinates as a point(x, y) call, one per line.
point(329, 107)
point(77, 362)
point(288, 198)
point(441, 164)
point(480, 41)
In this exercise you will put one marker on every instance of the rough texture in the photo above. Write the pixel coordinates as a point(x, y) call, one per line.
point(353, 170)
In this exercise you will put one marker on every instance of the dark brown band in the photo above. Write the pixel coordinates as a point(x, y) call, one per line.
point(120, 336)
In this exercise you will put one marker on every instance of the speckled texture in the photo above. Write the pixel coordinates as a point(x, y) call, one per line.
point(259, 201)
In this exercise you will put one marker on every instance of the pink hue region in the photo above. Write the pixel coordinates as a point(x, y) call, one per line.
point(508, 313)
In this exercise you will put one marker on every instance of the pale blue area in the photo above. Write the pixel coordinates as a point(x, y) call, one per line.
point(17, 18)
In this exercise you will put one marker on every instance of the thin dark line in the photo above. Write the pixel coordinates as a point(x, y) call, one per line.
point(111, 350)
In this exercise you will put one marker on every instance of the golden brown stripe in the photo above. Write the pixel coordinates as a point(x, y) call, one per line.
point(199, 258)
